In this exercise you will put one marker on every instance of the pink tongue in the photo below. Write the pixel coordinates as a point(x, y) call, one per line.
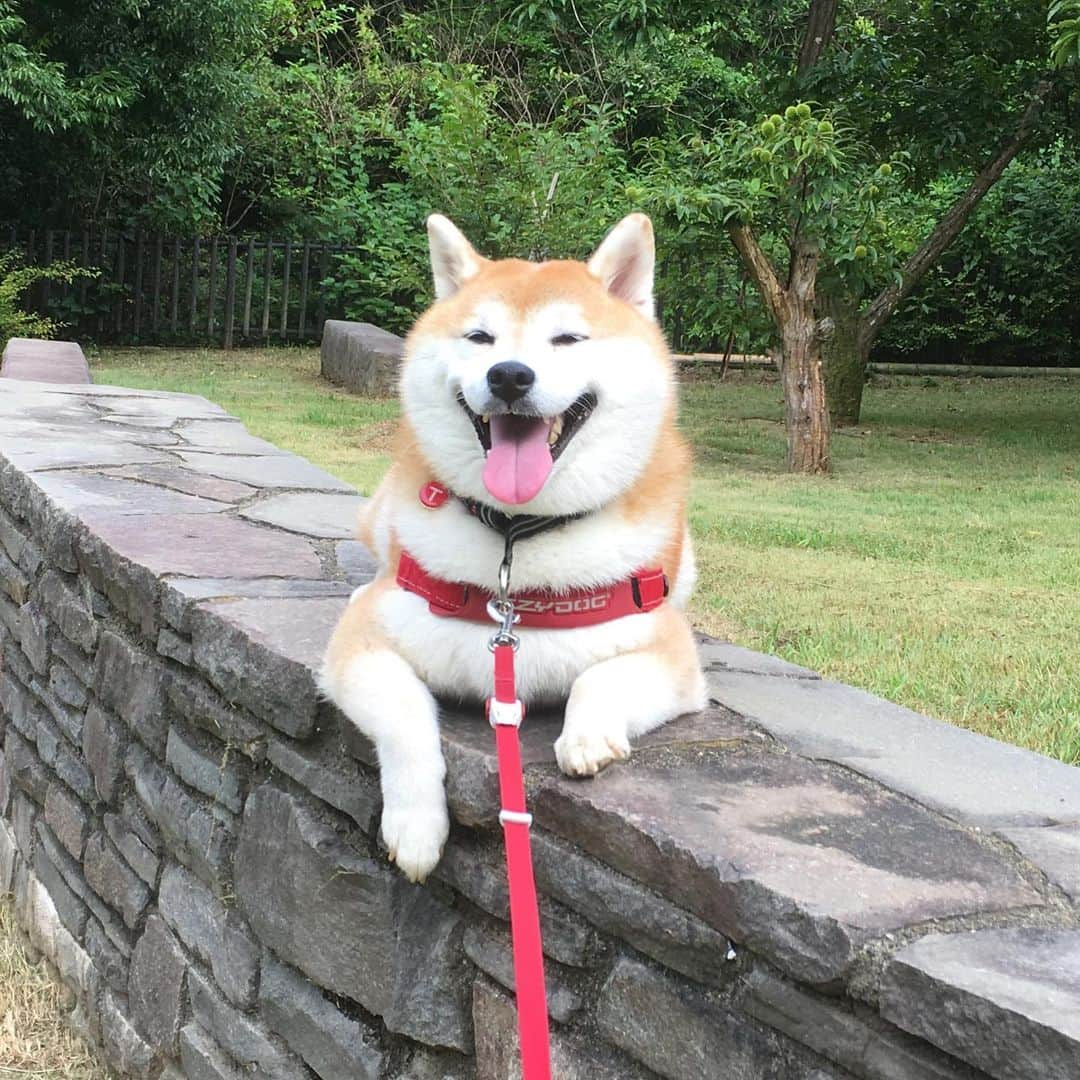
point(519, 461)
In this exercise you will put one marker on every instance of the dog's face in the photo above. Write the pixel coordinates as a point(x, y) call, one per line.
point(539, 385)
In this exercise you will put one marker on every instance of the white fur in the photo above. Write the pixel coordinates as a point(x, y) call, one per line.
point(606, 456)
point(382, 695)
point(614, 701)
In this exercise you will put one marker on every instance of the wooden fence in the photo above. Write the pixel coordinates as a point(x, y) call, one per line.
point(153, 289)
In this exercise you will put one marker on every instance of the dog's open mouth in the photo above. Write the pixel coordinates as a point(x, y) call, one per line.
point(521, 450)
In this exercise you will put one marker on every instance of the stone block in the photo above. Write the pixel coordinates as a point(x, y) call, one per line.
point(849, 1035)
point(87, 493)
point(13, 581)
point(109, 962)
point(726, 656)
point(12, 536)
point(16, 664)
point(24, 767)
point(24, 816)
point(253, 1048)
point(217, 935)
point(113, 880)
point(350, 923)
point(620, 906)
point(356, 562)
point(498, 1056)
point(797, 860)
point(336, 1046)
point(68, 611)
point(67, 817)
point(1055, 851)
point(138, 855)
point(203, 1059)
point(332, 776)
point(1007, 1001)
point(132, 684)
point(207, 766)
point(72, 873)
point(9, 855)
point(44, 361)
point(174, 647)
point(186, 481)
point(104, 745)
point(16, 706)
point(491, 952)
point(180, 597)
point(124, 1049)
point(328, 515)
point(200, 837)
point(262, 654)
point(70, 768)
point(70, 908)
point(34, 636)
point(684, 1033)
point(156, 986)
point(66, 687)
point(70, 721)
point(9, 619)
point(81, 665)
point(281, 471)
point(966, 776)
point(361, 356)
point(478, 872)
point(202, 706)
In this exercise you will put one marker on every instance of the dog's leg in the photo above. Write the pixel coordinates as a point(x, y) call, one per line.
point(380, 693)
point(628, 695)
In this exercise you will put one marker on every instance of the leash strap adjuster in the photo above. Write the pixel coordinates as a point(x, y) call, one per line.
point(505, 713)
point(515, 817)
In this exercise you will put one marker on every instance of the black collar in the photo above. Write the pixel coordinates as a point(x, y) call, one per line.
point(515, 527)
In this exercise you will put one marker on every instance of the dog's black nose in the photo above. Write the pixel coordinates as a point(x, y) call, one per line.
point(510, 380)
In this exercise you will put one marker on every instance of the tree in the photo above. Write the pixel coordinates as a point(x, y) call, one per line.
point(122, 110)
point(826, 334)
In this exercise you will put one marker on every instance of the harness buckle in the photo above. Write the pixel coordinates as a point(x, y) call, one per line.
point(505, 713)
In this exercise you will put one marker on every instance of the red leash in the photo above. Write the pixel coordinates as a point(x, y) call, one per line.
point(505, 712)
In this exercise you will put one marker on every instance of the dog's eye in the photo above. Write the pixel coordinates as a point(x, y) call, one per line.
point(567, 339)
point(480, 337)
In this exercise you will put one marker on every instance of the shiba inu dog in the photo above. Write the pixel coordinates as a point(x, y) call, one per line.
point(538, 399)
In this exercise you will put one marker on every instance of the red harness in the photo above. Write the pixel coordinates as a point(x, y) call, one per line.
point(641, 592)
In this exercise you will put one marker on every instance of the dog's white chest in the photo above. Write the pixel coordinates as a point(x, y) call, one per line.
point(453, 658)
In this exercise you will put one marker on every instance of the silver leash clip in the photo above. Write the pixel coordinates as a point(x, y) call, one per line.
point(500, 610)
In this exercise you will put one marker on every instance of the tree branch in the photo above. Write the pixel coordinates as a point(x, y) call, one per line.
point(819, 31)
point(953, 221)
point(761, 270)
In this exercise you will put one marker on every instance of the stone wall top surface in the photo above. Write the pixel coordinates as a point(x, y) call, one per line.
point(815, 826)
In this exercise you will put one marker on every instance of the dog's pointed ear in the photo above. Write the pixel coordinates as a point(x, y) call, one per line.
point(625, 262)
point(453, 260)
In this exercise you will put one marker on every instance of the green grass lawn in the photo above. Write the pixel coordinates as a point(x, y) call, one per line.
point(939, 566)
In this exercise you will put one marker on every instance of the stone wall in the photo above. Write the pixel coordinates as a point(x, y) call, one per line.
point(802, 883)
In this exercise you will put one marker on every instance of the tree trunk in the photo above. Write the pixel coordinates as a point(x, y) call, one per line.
point(806, 415)
point(844, 354)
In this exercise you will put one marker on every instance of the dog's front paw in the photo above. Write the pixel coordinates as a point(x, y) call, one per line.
point(415, 837)
point(585, 753)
